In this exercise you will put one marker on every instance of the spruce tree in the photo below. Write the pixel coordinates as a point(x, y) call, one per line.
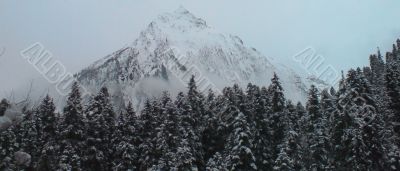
point(195, 104)
point(167, 138)
point(313, 108)
point(277, 100)
point(186, 154)
point(260, 112)
point(393, 93)
point(101, 127)
point(239, 148)
point(48, 120)
point(125, 154)
point(290, 152)
point(316, 133)
point(48, 132)
point(29, 136)
point(213, 136)
point(8, 146)
point(147, 125)
point(72, 132)
point(277, 97)
point(355, 119)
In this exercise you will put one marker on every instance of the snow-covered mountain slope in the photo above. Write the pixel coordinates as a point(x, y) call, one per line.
point(172, 48)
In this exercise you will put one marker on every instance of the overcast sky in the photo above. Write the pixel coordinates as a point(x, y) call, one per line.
point(79, 32)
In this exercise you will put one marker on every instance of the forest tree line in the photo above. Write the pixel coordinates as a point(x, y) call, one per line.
point(356, 127)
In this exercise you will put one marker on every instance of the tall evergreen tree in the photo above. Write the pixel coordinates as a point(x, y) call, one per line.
point(213, 136)
point(101, 127)
point(288, 158)
point(277, 97)
point(72, 132)
point(353, 150)
point(277, 100)
point(126, 140)
point(313, 108)
point(167, 138)
point(8, 146)
point(259, 113)
point(48, 120)
point(393, 93)
point(147, 125)
point(48, 131)
point(239, 148)
point(195, 104)
point(186, 154)
point(29, 136)
point(317, 134)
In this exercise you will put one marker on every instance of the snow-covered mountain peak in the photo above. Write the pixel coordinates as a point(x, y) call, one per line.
point(182, 10)
point(174, 46)
point(180, 19)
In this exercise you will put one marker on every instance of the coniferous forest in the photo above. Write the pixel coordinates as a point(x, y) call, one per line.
point(355, 126)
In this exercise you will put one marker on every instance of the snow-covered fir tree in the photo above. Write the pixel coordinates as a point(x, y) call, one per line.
point(277, 101)
point(48, 131)
point(317, 138)
point(72, 133)
point(239, 148)
point(100, 130)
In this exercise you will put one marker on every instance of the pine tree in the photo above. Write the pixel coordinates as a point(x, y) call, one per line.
point(213, 137)
point(186, 154)
point(368, 74)
point(355, 119)
point(195, 104)
point(48, 131)
point(48, 120)
point(318, 144)
point(327, 104)
point(127, 155)
point(101, 127)
point(290, 152)
point(167, 138)
point(125, 152)
point(195, 100)
point(313, 108)
point(239, 148)
point(259, 112)
point(8, 146)
point(132, 126)
point(302, 119)
point(29, 136)
point(393, 93)
point(147, 125)
point(72, 132)
point(284, 162)
point(288, 158)
point(277, 100)
point(276, 92)
point(378, 68)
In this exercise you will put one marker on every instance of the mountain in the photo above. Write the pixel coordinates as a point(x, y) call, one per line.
point(177, 45)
